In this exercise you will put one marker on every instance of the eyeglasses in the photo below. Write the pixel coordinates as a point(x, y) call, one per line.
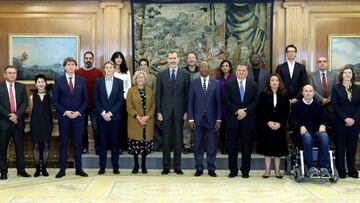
point(323, 61)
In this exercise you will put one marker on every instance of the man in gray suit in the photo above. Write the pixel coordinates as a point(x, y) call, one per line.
point(172, 85)
point(258, 73)
point(323, 82)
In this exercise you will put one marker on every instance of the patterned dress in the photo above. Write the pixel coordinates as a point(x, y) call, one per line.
point(142, 146)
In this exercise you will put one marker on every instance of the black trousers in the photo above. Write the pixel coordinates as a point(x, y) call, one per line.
point(17, 135)
point(243, 135)
point(172, 131)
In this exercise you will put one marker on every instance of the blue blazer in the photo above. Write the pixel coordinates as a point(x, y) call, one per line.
point(211, 105)
point(114, 102)
point(63, 100)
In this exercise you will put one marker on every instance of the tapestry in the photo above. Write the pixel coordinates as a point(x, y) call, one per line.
point(213, 30)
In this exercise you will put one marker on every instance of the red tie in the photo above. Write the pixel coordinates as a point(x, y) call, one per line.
point(324, 85)
point(12, 100)
point(71, 85)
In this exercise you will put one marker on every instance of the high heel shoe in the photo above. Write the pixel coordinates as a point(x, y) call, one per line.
point(278, 175)
point(266, 175)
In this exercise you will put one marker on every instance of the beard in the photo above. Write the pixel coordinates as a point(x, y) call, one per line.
point(88, 64)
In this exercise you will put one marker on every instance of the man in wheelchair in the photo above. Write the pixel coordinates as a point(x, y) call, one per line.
point(308, 118)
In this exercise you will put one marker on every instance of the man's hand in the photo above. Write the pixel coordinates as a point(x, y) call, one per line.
point(303, 130)
point(349, 122)
point(76, 114)
point(13, 118)
point(107, 116)
point(192, 125)
point(217, 125)
point(325, 101)
point(159, 117)
point(241, 113)
point(276, 126)
point(69, 114)
point(322, 128)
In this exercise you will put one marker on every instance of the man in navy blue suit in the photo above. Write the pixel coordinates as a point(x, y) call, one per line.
point(69, 98)
point(108, 99)
point(204, 108)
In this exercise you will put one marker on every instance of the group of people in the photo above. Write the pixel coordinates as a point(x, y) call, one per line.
point(237, 107)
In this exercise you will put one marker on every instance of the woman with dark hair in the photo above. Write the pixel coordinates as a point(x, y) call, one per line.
point(41, 123)
point(345, 99)
point(122, 72)
point(274, 108)
point(225, 76)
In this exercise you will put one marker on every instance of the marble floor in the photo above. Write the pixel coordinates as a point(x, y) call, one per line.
point(155, 187)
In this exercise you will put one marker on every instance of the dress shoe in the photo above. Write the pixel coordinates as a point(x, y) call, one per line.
point(178, 171)
point(44, 171)
point(116, 171)
point(101, 171)
point(198, 173)
point(23, 174)
point(144, 170)
point(232, 175)
point(187, 151)
point(245, 175)
point(120, 151)
point(342, 175)
point(3, 176)
point(354, 175)
point(212, 173)
point(80, 172)
point(135, 169)
point(165, 171)
point(60, 174)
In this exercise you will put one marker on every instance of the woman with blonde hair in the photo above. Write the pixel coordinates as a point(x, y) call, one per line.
point(140, 105)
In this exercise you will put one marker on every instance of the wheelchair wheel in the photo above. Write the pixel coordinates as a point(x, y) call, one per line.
point(334, 178)
point(298, 176)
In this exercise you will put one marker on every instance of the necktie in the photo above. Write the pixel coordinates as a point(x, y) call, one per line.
point(204, 87)
point(324, 85)
point(12, 99)
point(173, 80)
point(242, 91)
point(71, 85)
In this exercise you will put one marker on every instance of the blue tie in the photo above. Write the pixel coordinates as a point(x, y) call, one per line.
point(242, 91)
point(173, 80)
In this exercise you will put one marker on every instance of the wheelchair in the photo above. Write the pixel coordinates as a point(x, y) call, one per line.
point(297, 158)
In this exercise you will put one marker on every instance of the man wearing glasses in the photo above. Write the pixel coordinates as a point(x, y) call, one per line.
point(293, 74)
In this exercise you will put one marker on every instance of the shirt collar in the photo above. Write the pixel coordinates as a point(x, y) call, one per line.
point(321, 72)
point(67, 76)
point(243, 81)
point(306, 103)
point(111, 79)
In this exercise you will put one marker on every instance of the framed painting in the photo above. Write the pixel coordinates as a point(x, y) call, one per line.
point(32, 54)
point(343, 50)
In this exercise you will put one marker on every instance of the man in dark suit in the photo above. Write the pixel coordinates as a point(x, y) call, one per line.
point(13, 102)
point(241, 97)
point(204, 117)
point(293, 74)
point(69, 98)
point(172, 85)
point(108, 99)
point(257, 73)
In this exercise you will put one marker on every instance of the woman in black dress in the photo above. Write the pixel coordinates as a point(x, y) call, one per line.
point(273, 111)
point(40, 124)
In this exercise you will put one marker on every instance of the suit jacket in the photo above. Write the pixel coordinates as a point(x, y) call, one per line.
point(134, 106)
point(63, 100)
point(168, 100)
point(299, 79)
point(263, 76)
point(315, 81)
point(344, 108)
point(233, 103)
point(198, 104)
point(114, 102)
point(21, 104)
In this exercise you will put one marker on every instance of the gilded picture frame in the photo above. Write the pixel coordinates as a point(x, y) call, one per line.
point(32, 54)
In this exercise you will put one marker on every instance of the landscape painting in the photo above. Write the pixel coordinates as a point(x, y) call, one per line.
point(34, 54)
point(343, 50)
